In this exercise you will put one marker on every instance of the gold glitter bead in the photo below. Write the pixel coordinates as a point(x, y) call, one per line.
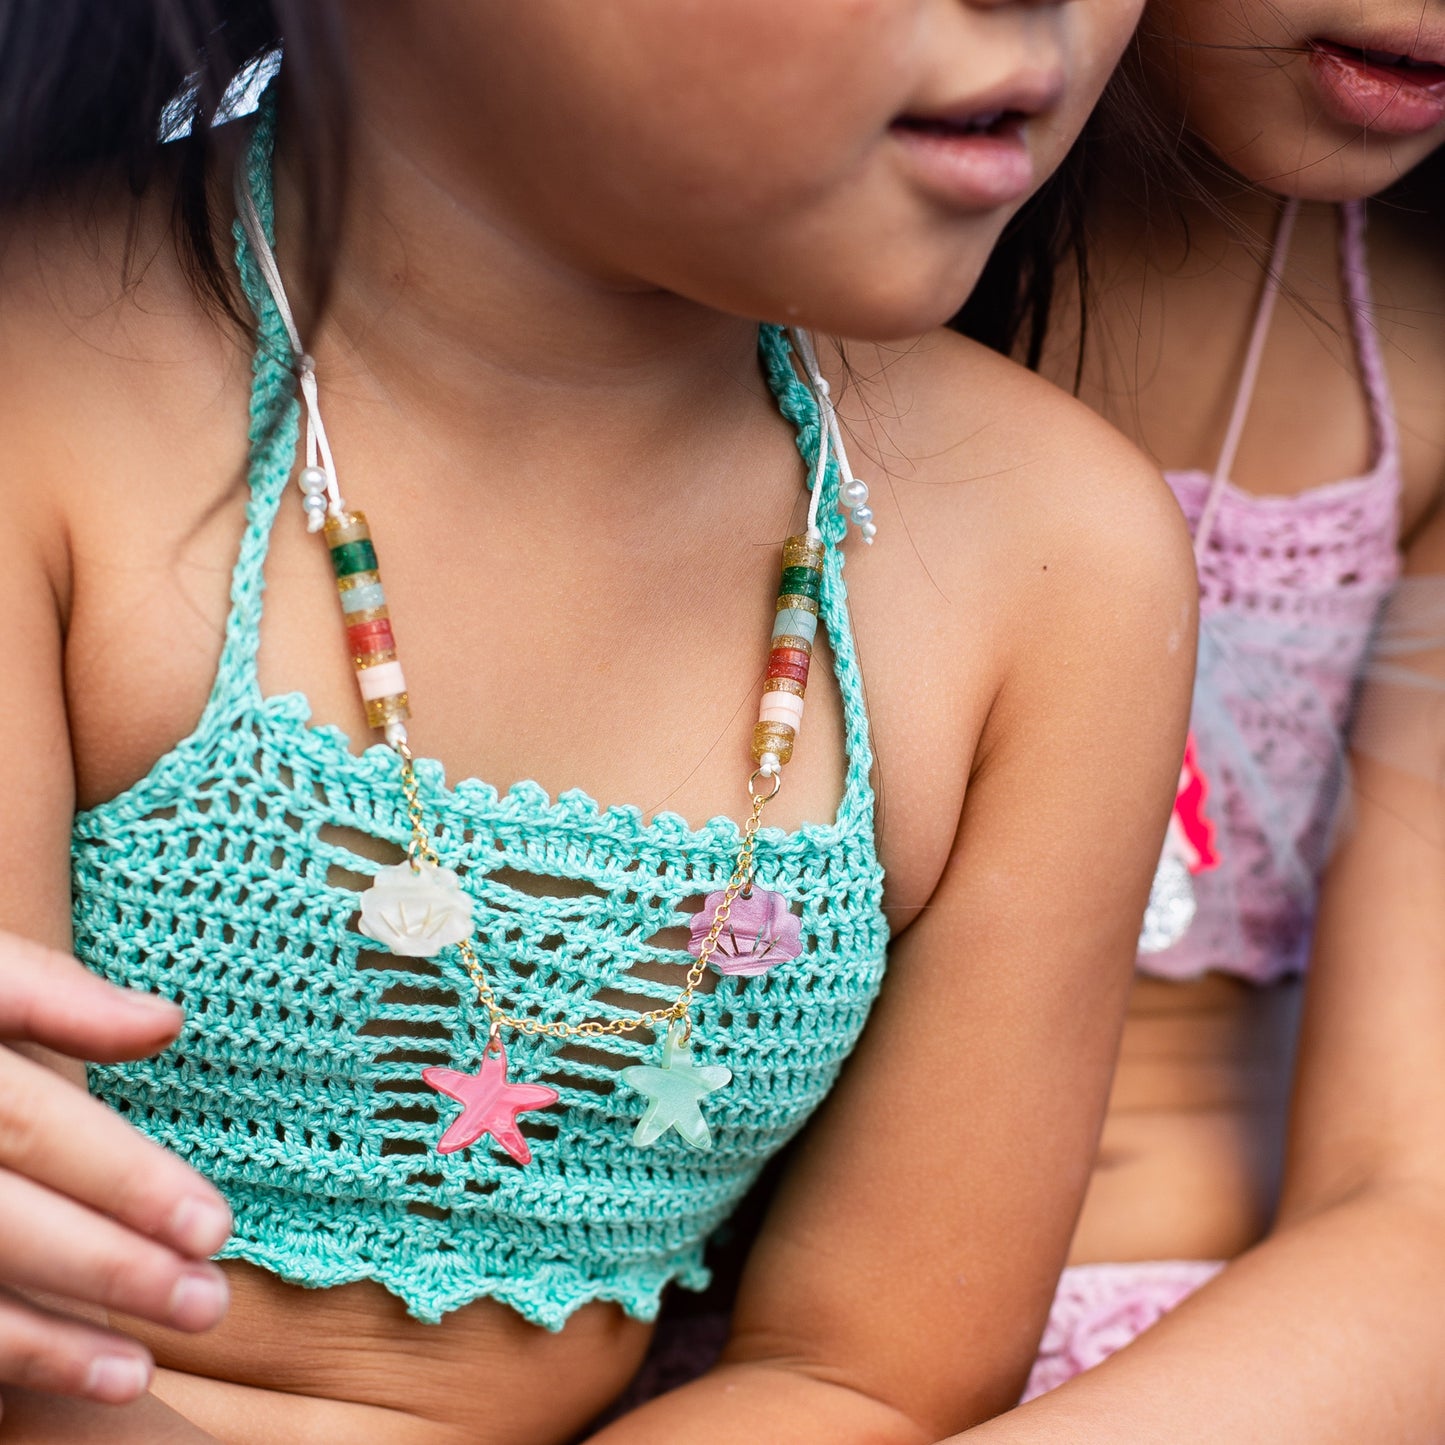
point(802, 551)
point(362, 660)
point(374, 614)
point(784, 684)
point(795, 644)
point(776, 738)
point(794, 599)
point(383, 710)
point(348, 527)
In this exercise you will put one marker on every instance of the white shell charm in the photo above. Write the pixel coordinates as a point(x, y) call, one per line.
point(1172, 905)
point(416, 911)
point(1189, 848)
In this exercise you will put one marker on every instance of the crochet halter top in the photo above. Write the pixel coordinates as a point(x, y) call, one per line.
point(1291, 588)
point(295, 1083)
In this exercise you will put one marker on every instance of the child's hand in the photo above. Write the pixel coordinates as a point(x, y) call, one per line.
point(90, 1210)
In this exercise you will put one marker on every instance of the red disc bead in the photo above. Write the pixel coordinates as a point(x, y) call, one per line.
point(793, 656)
point(374, 636)
point(788, 662)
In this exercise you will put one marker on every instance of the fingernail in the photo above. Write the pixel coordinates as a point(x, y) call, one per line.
point(200, 1226)
point(150, 1004)
point(116, 1378)
point(199, 1299)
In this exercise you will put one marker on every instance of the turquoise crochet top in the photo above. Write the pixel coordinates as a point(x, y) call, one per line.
point(295, 1084)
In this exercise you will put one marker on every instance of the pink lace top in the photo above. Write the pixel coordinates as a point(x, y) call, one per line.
point(1290, 590)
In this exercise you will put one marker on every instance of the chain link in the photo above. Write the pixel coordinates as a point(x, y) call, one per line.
point(421, 851)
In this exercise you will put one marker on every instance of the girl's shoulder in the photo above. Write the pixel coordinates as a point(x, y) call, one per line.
point(1407, 273)
point(110, 365)
point(1031, 568)
point(94, 267)
point(974, 445)
point(94, 286)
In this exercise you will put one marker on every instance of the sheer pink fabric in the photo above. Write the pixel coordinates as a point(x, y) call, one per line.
point(1100, 1308)
point(1290, 590)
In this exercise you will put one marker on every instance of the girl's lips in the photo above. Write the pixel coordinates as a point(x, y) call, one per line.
point(968, 169)
point(1390, 99)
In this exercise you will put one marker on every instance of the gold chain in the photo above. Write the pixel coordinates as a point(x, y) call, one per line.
point(420, 851)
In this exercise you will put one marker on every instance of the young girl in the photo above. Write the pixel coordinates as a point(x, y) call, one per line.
point(1302, 426)
point(478, 1068)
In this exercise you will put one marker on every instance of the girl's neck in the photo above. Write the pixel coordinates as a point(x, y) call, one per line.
point(445, 308)
point(1206, 224)
point(1174, 291)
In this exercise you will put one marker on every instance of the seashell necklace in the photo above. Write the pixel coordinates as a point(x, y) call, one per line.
point(418, 907)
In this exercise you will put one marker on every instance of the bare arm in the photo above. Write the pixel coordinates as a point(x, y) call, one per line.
point(35, 1419)
point(1332, 1329)
point(92, 1215)
point(901, 1281)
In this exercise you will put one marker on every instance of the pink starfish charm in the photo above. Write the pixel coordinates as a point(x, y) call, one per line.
point(490, 1104)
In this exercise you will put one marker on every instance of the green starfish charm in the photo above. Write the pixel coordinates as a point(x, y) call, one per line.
point(673, 1092)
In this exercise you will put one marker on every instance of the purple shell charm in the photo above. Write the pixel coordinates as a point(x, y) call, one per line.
point(760, 933)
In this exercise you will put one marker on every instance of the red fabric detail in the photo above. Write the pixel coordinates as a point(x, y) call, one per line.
point(1189, 809)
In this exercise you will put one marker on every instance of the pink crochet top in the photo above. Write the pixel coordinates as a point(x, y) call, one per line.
point(1290, 590)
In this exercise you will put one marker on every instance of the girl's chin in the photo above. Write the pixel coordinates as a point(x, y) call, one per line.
point(862, 323)
point(1350, 167)
point(892, 310)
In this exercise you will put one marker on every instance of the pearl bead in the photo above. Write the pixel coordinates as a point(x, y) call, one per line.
point(313, 502)
point(862, 515)
point(313, 481)
point(854, 493)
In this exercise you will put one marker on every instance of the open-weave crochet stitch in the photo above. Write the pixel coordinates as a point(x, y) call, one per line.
point(1290, 590)
point(223, 880)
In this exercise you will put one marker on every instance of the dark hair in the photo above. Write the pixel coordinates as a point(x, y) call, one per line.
point(1170, 175)
point(1012, 306)
point(1421, 193)
point(135, 92)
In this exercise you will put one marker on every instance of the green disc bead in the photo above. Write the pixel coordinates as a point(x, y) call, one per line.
point(801, 582)
point(353, 557)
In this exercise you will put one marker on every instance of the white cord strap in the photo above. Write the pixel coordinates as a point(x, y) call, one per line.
point(318, 478)
point(852, 493)
point(320, 463)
